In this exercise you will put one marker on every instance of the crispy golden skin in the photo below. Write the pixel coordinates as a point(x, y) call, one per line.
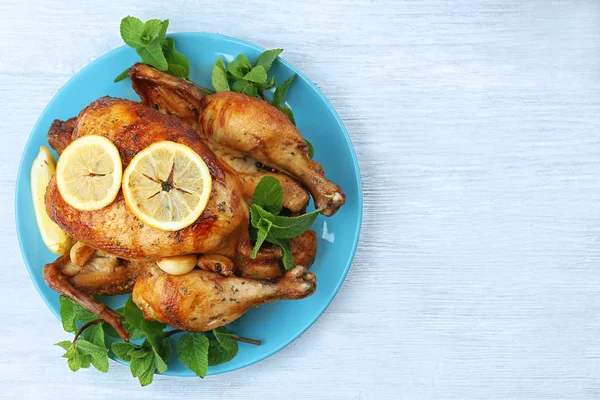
point(114, 229)
point(202, 300)
point(243, 124)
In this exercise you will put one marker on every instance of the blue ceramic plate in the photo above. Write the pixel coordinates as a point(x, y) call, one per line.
point(276, 324)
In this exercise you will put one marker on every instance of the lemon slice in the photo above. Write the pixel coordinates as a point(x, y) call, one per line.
point(42, 169)
point(88, 174)
point(167, 185)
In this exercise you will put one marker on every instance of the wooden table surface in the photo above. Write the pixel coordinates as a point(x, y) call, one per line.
point(477, 128)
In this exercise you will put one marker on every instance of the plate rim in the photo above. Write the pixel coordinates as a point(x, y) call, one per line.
point(200, 34)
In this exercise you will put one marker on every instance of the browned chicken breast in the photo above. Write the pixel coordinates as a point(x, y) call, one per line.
point(115, 229)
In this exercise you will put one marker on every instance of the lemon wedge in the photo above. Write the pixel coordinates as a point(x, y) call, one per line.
point(42, 169)
point(88, 173)
point(167, 185)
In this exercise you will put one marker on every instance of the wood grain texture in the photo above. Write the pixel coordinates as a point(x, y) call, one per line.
point(476, 125)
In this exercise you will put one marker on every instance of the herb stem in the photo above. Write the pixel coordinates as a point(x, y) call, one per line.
point(247, 340)
point(262, 95)
point(173, 332)
point(84, 327)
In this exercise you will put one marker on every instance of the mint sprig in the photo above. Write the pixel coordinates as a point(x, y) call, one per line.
point(88, 346)
point(154, 48)
point(271, 227)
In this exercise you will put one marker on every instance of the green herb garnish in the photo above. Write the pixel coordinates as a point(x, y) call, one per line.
point(88, 347)
point(195, 350)
point(271, 227)
point(154, 48)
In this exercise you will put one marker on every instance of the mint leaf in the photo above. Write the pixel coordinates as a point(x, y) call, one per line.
point(68, 314)
point(71, 351)
point(267, 57)
point(287, 111)
point(283, 227)
point(139, 365)
point(193, 352)
point(261, 235)
point(152, 27)
point(258, 74)
point(134, 333)
point(160, 344)
point(290, 227)
point(71, 312)
point(95, 334)
point(146, 377)
point(156, 338)
point(268, 194)
point(218, 354)
point(240, 66)
point(134, 316)
point(219, 76)
point(90, 349)
point(101, 363)
point(177, 71)
point(122, 75)
point(65, 344)
point(265, 86)
point(98, 354)
point(132, 30)
point(284, 244)
point(257, 213)
point(84, 316)
point(244, 87)
point(311, 148)
point(152, 54)
point(159, 363)
point(138, 352)
point(78, 361)
point(224, 337)
point(163, 30)
point(75, 359)
point(143, 367)
point(179, 65)
point(281, 91)
point(121, 350)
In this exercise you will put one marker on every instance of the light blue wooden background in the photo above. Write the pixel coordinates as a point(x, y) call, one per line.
point(477, 127)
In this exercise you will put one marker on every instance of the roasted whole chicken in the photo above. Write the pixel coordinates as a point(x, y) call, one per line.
point(241, 139)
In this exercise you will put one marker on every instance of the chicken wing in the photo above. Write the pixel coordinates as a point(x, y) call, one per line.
point(131, 127)
point(119, 280)
point(242, 123)
point(200, 300)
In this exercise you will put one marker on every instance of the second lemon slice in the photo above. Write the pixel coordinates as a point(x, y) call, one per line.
point(167, 185)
